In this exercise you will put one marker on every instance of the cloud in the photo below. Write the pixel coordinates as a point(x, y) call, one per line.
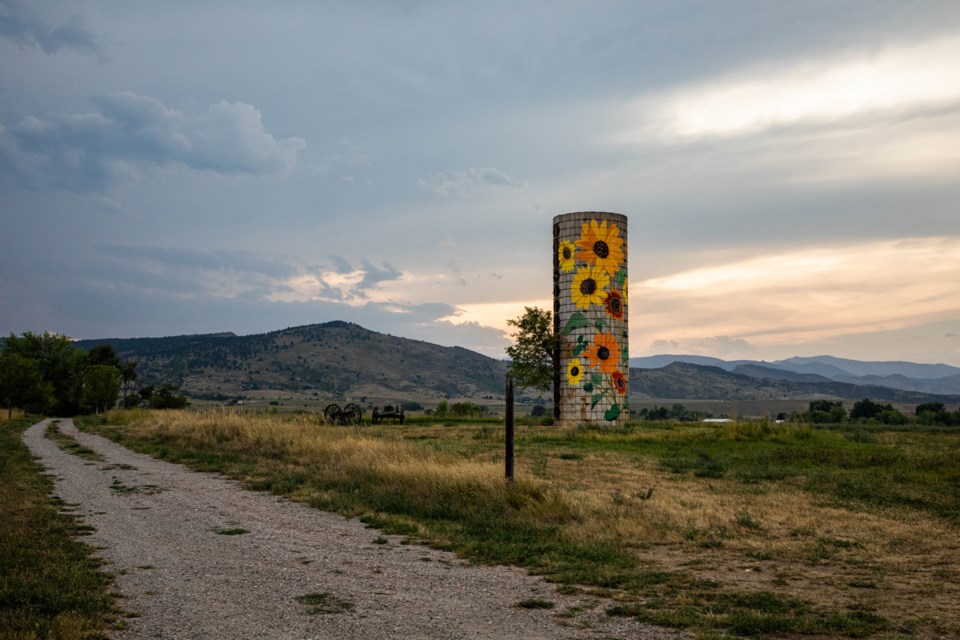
point(470, 183)
point(457, 274)
point(341, 265)
point(130, 311)
point(24, 27)
point(352, 284)
point(716, 346)
point(183, 273)
point(897, 81)
point(230, 260)
point(803, 295)
point(91, 151)
point(167, 290)
point(372, 276)
point(191, 274)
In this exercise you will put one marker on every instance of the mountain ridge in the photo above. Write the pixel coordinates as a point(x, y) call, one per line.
point(907, 376)
point(329, 360)
point(339, 360)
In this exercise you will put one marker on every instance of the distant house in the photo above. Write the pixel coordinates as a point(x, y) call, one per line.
point(715, 420)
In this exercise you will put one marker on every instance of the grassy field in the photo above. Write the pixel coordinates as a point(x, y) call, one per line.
point(744, 529)
point(50, 585)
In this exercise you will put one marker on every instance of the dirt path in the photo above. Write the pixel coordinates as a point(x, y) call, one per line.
point(197, 556)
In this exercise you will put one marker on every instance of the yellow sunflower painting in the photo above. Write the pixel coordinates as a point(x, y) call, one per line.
point(603, 353)
point(600, 245)
point(566, 254)
point(589, 287)
point(574, 372)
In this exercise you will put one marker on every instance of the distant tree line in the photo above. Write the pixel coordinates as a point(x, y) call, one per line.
point(867, 411)
point(675, 412)
point(464, 409)
point(48, 374)
point(864, 411)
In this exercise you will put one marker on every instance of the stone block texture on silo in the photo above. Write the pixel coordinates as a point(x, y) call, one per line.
point(590, 316)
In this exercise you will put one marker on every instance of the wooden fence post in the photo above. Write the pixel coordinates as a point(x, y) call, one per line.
point(508, 459)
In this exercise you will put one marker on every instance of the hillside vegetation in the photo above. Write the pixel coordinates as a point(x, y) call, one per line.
point(331, 360)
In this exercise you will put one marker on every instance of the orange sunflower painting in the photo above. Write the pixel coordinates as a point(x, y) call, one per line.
point(603, 353)
point(600, 245)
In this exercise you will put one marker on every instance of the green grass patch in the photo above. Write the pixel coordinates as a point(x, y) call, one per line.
point(51, 586)
point(231, 531)
point(70, 444)
point(757, 614)
point(118, 487)
point(324, 603)
point(534, 603)
point(118, 467)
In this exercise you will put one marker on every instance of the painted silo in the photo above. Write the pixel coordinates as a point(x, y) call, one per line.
point(590, 316)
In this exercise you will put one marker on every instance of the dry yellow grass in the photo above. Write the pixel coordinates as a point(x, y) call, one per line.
point(7, 415)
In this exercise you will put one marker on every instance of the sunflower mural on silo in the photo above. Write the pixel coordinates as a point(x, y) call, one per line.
point(593, 321)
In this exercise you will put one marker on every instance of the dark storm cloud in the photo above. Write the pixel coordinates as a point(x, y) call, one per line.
point(24, 27)
point(372, 276)
point(341, 265)
point(90, 151)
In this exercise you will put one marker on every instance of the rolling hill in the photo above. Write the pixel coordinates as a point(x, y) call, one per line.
point(687, 381)
point(340, 360)
point(332, 360)
point(906, 376)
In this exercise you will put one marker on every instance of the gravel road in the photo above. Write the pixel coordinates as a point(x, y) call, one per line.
point(165, 533)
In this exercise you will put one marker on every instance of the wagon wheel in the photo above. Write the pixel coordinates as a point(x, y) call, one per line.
point(332, 413)
point(352, 414)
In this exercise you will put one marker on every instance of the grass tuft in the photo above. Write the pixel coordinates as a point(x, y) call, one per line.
point(324, 603)
point(534, 603)
point(233, 531)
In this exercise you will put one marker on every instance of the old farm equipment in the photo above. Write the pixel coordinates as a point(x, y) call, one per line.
point(350, 414)
point(387, 412)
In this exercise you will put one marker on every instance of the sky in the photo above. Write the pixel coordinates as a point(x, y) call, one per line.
point(790, 170)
